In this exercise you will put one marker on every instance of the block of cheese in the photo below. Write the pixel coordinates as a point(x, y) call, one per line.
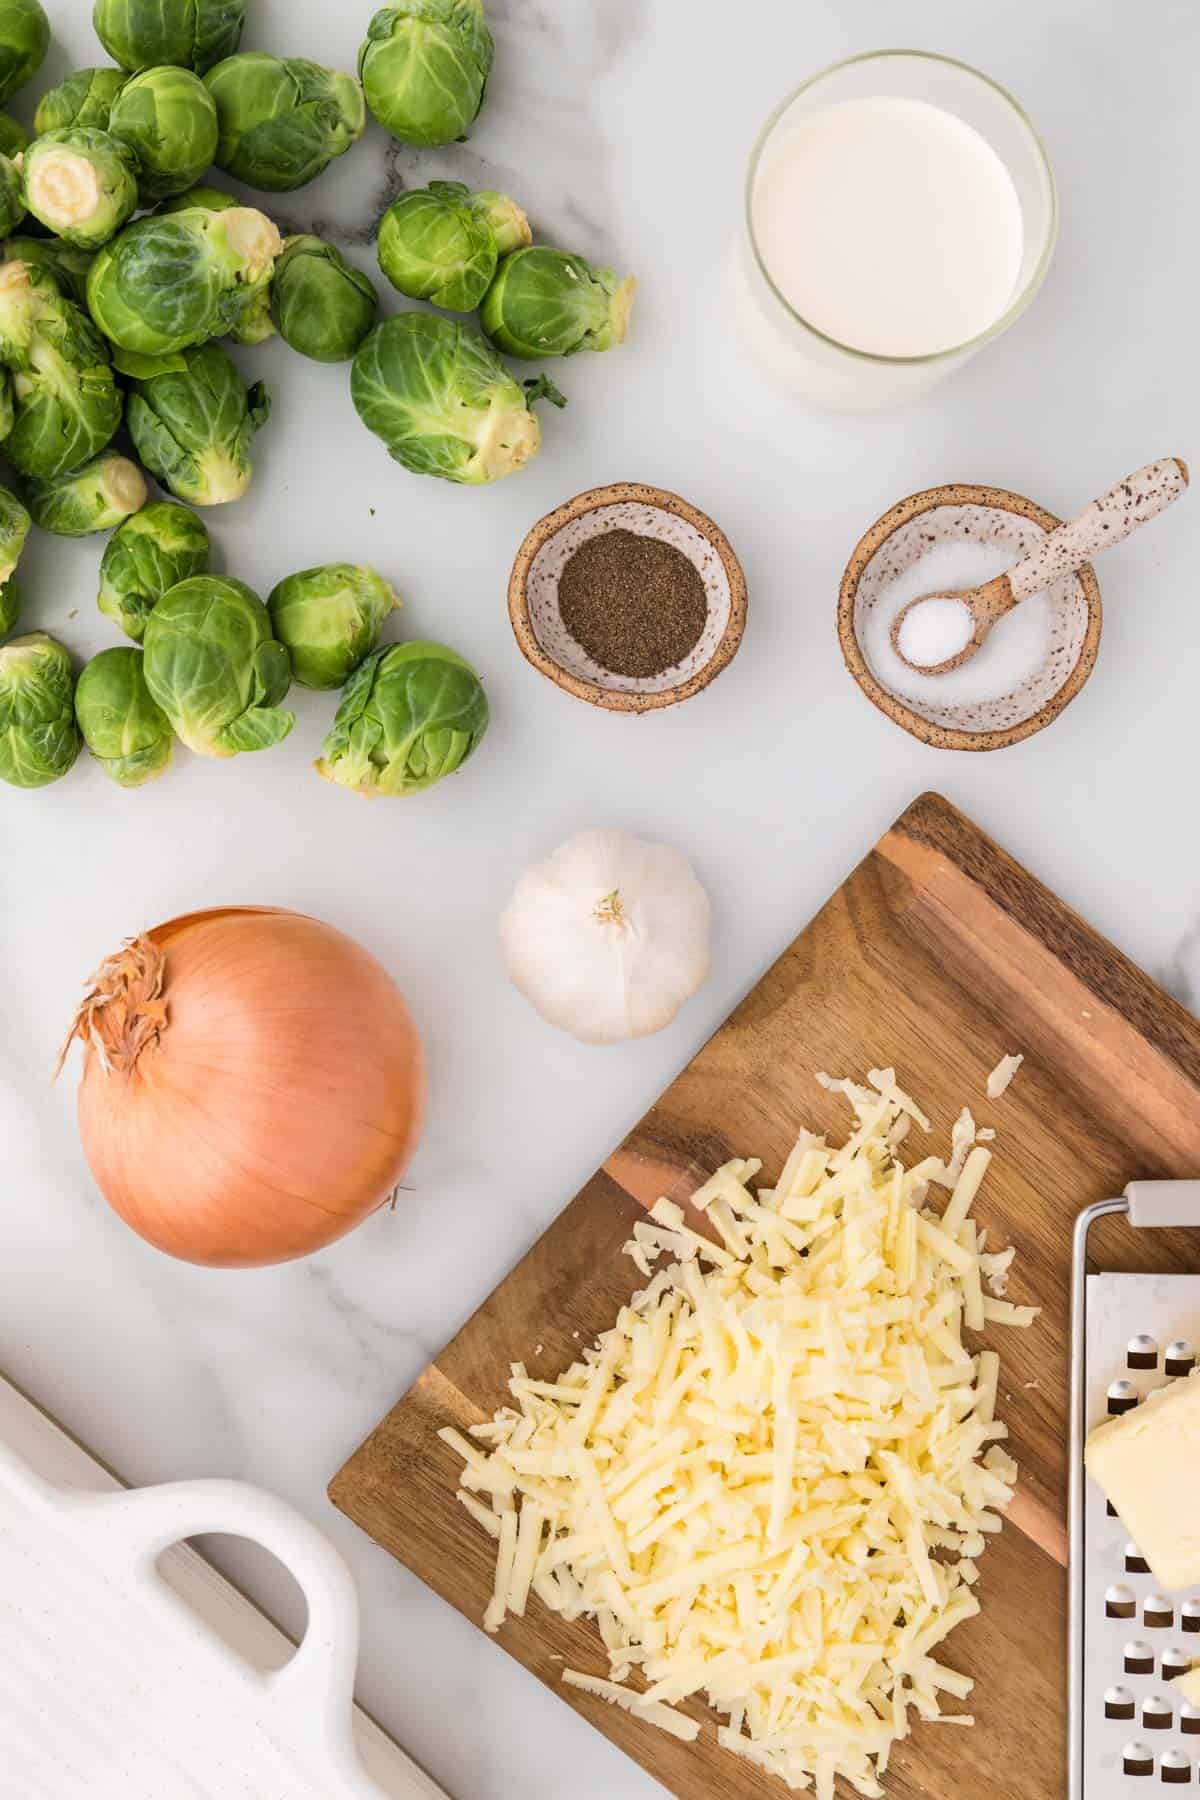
point(1148, 1463)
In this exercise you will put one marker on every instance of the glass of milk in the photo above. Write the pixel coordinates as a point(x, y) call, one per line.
point(900, 213)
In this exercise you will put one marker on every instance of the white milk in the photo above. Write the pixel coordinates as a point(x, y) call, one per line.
point(890, 225)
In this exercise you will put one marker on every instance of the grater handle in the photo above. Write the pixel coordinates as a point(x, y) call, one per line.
point(1163, 1203)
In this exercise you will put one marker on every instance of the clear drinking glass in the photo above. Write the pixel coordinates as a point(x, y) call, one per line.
point(817, 366)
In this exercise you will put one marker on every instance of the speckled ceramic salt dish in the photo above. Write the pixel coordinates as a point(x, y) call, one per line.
point(647, 512)
point(1000, 520)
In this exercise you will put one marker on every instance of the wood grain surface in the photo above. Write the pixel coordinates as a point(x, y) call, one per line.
point(939, 954)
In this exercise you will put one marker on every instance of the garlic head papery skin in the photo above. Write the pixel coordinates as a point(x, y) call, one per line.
point(608, 937)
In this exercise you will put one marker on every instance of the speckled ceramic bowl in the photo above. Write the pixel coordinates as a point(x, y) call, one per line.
point(997, 518)
point(648, 512)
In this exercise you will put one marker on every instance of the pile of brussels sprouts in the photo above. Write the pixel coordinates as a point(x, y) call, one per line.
point(211, 665)
point(120, 268)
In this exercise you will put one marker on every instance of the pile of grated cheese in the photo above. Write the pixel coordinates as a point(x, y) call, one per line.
point(769, 1483)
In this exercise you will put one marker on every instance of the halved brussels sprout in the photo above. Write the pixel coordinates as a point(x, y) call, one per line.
point(192, 422)
point(323, 306)
point(549, 303)
point(328, 619)
point(424, 68)
point(436, 243)
point(177, 279)
point(13, 136)
point(157, 548)
point(10, 605)
point(443, 402)
point(410, 714)
point(66, 263)
point(254, 323)
point(214, 668)
point(127, 732)
point(12, 196)
point(84, 98)
point(39, 739)
point(66, 400)
point(167, 118)
point(81, 183)
point(24, 41)
point(93, 498)
point(282, 119)
point(140, 34)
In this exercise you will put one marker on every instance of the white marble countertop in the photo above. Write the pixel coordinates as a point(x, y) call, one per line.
point(623, 126)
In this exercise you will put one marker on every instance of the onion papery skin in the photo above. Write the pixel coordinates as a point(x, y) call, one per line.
point(276, 1107)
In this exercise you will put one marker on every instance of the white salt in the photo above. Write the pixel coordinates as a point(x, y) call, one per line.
point(1013, 652)
point(934, 631)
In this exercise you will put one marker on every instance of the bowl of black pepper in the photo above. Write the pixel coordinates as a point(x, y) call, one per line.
point(628, 597)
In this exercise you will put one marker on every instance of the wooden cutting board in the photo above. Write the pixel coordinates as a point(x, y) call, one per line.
point(939, 954)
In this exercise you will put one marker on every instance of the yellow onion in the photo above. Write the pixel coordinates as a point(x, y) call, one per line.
point(253, 1085)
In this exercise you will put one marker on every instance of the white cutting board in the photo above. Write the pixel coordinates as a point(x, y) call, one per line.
point(131, 1670)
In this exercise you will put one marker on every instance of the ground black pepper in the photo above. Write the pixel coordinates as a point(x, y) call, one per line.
point(635, 604)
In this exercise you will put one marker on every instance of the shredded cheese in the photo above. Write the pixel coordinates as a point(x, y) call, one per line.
point(771, 1481)
point(1000, 1077)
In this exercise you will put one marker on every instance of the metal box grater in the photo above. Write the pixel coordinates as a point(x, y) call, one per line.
point(1130, 1731)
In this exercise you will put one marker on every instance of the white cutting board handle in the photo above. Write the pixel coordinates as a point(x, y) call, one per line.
point(313, 1694)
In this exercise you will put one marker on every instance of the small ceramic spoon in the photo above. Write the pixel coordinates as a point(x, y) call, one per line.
point(1114, 516)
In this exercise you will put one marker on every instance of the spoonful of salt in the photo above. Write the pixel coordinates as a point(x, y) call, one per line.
point(939, 632)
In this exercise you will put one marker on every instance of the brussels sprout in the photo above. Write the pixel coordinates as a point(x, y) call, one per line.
point(254, 323)
point(66, 263)
point(38, 737)
point(443, 402)
point(177, 279)
point(214, 668)
point(158, 547)
point(8, 405)
point(127, 732)
point(167, 118)
point(194, 34)
point(13, 136)
point(424, 68)
point(328, 619)
point(24, 41)
point(549, 303)
point(12, 196)
point(192, 423)
point(81, 183)
point(322, 305)
point(410, 714)
point(93, 498)
point(14, 529)
point(84, 98)
point(435, 244)
point(67, 402)
point(282, 119)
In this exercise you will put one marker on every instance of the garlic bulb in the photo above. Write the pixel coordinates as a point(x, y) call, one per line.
point(608, 937)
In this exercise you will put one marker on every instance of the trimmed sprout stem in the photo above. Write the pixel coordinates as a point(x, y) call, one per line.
point(125, 484)
point(223, 479)
point(252, 237)
point(64, 189)
point(510, 436)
